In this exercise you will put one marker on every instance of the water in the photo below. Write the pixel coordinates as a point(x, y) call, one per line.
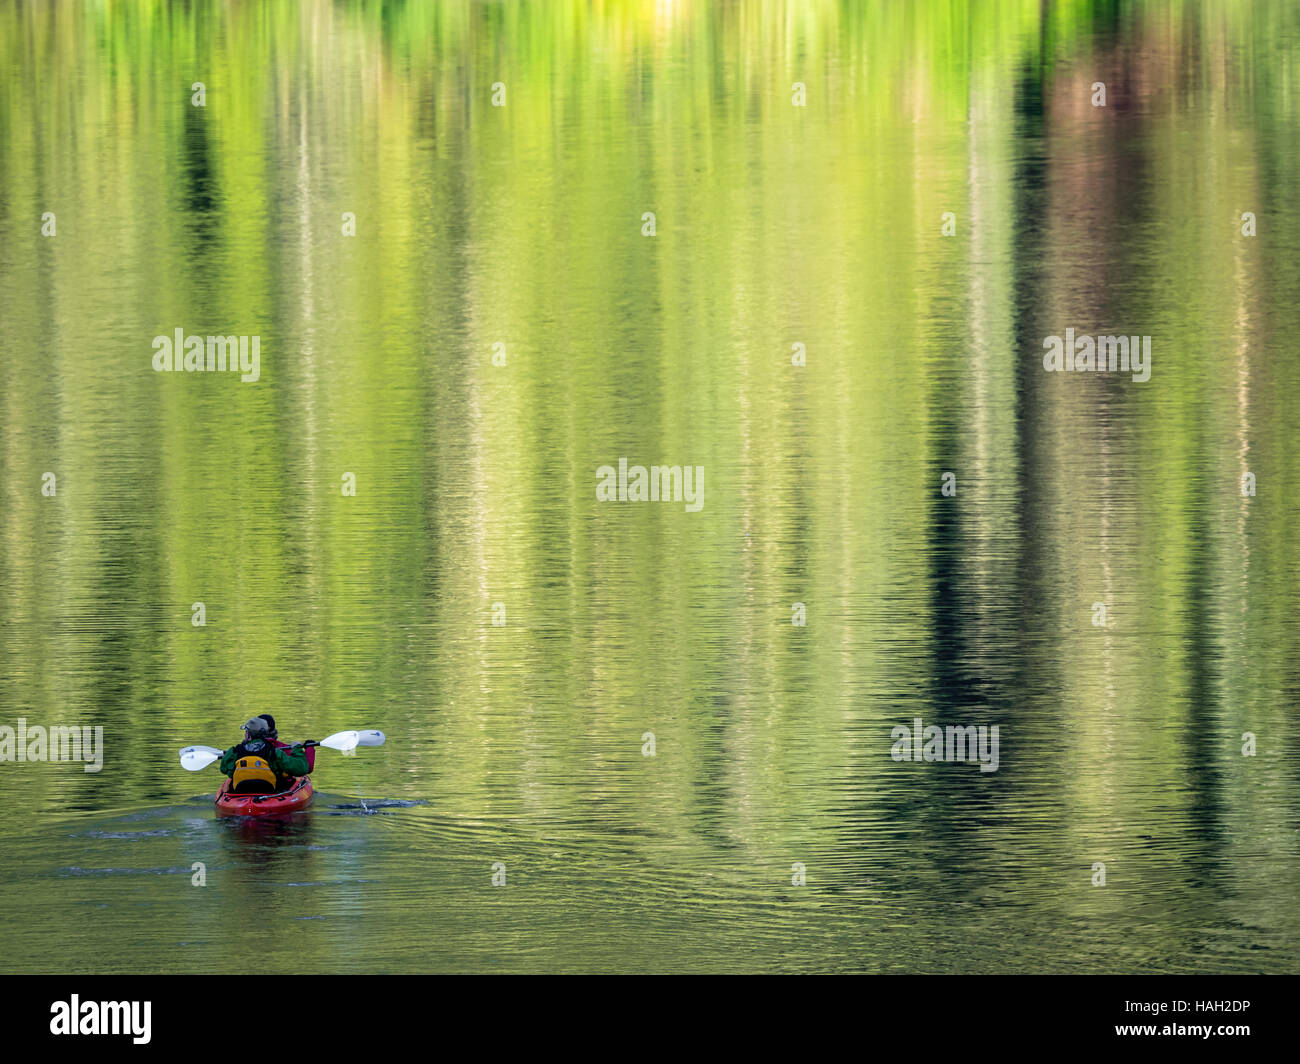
point(521, 745)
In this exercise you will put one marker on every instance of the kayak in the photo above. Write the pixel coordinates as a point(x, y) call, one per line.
point(296, 797)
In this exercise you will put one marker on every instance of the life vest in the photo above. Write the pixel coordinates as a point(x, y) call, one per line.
point(253, 772)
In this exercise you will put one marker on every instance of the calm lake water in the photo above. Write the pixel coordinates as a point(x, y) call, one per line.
point(517, 638)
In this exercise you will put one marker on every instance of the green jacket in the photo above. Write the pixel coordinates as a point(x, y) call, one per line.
point(290, 762)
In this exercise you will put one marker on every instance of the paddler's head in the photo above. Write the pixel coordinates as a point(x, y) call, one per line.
point(256, 729)
point(271, 733)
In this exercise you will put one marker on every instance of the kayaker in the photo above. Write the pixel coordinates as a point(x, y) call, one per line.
point(259, 765)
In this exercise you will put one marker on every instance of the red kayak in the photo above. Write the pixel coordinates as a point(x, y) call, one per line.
point(296, 797)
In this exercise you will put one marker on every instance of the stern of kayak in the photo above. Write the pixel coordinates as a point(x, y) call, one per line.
point(296, 797)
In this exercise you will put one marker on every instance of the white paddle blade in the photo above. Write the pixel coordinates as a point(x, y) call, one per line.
point(343, 741)
point(370, 737)
point(197, 757)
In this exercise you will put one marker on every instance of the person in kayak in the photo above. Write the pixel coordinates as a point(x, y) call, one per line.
point(259, 765)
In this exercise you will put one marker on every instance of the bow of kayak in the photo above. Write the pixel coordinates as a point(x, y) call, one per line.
point(296, 797)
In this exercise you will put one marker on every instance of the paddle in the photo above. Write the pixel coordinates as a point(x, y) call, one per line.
point(195, 758)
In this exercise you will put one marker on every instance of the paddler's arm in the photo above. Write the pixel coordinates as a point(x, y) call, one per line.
point(293, 760)
point(228, 760)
